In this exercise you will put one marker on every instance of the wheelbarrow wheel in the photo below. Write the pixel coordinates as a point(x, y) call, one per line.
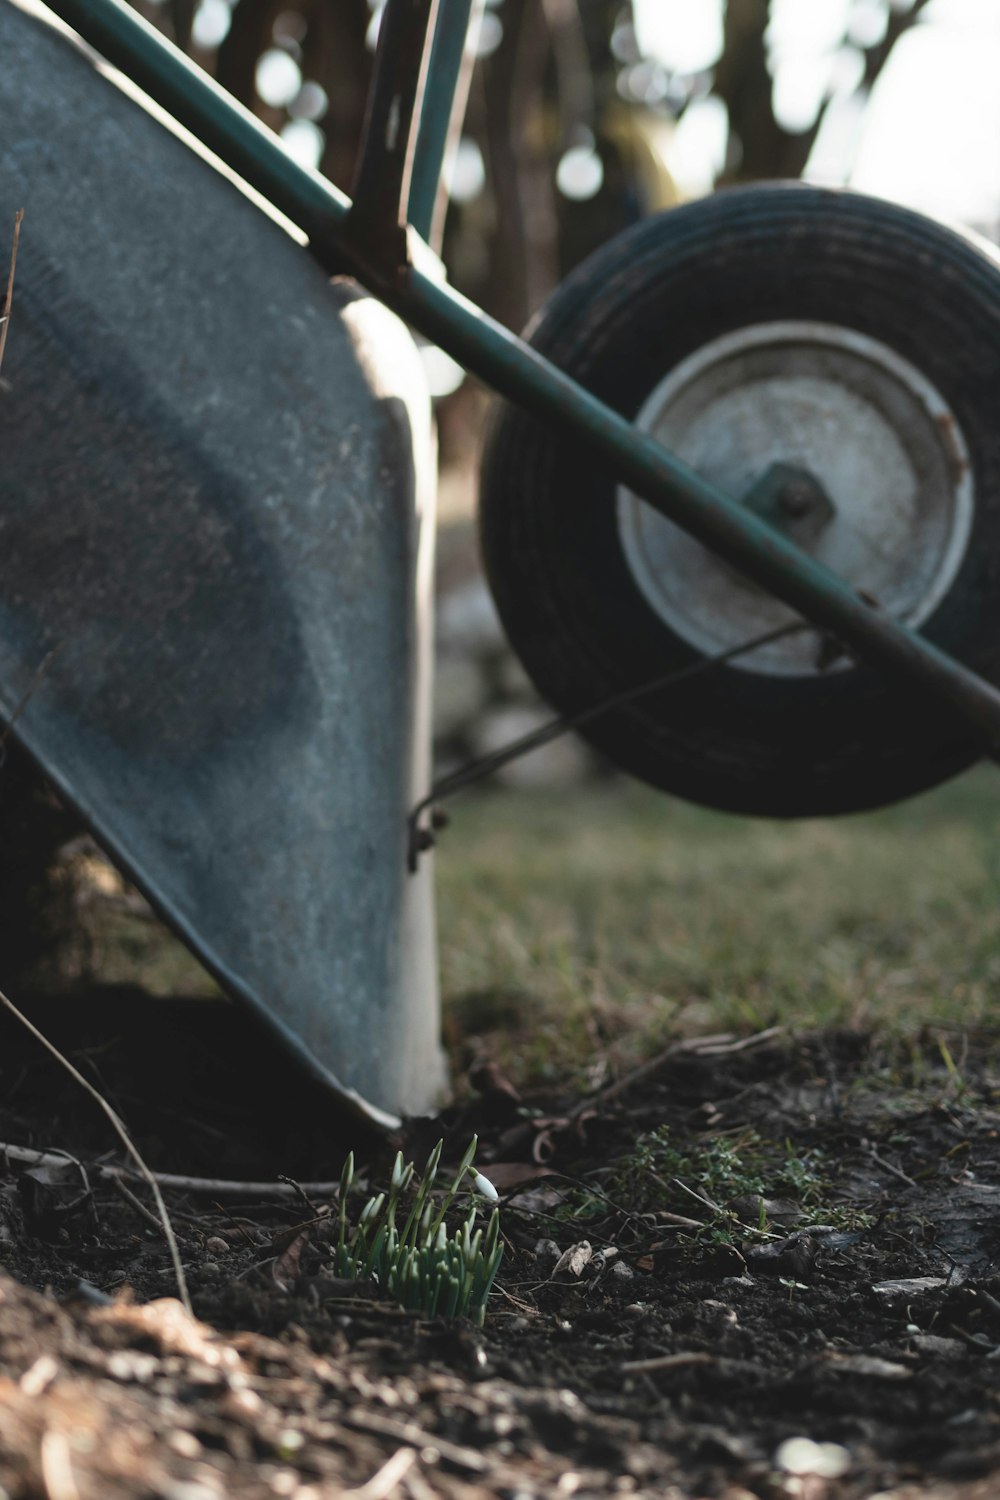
point(831, 360)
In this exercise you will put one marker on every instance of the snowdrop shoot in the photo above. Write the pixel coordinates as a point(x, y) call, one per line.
point(426, 1267)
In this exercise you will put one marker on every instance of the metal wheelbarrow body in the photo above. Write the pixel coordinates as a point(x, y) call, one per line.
point(216, 513)
point(212, 671)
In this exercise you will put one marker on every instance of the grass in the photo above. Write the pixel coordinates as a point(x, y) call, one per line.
point(732, 1184)
point(601, 922)
point(587, 928)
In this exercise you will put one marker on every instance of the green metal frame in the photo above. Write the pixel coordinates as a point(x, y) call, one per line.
point(410, 282)
point(442, 109)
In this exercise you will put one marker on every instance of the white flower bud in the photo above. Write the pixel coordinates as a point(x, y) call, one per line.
point(484, 1186)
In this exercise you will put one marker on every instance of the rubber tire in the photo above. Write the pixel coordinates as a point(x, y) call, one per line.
point(735, 739)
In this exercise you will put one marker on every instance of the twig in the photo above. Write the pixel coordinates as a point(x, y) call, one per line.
point(382, 1483)
point(64, 1156)
point(701, 1197)
point(680, 1361)
point(538, 1213)
point(677, 1221)
point(976, 1340)
point(988, 1298)
point(417, 1437)
point(646, 1070)
point(8, 300)
point(56, 1461)
point(887, 1166)
point(711, 1048)
point(126, 1140)
point(720, 1044)
point(522, 1308)
point(588, 1187)
point(211, 1187)
point(301, 1193)
point(136, 1203)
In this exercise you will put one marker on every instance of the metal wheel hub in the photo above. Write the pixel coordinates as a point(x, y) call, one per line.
point(831, 437)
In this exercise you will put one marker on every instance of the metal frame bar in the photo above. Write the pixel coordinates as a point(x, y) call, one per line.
point(450, 69)
point(516, 371)
point(377, 219)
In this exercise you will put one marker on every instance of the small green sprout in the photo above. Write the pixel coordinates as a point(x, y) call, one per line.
point(424, 1266)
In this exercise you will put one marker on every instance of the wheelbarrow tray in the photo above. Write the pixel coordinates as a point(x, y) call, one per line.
point(215, 529)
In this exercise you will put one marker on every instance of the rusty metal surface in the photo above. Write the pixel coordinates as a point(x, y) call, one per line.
point(215, 501)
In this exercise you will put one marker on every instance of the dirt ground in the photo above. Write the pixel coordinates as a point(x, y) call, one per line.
point(768, 1268)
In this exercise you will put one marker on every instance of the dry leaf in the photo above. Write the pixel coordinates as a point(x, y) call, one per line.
point(573, 1262)
point(286, 1270)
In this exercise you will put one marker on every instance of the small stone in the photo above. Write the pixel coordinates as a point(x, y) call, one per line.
point(215, 1245)
point(621, 1276)
point(289, 1442)
point(719, 1314)
point(184, 1444)
point(937, 1344)
point(792, 1257)
point(133, 1365)
point(800, 1455)
point(868, 1365)
point(547, 1252)
point(284, 1482)
point(36, 1380)
point(891, 1293)
point(241, 1404)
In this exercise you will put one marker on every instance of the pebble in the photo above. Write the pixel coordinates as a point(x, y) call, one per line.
point(891, 1293)
point(800, 1455)
point(935, 1343)
point(184, 1444)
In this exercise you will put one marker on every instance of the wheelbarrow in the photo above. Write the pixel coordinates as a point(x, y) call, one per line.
point(738, 513)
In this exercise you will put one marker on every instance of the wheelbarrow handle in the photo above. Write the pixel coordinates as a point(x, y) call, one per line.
point(516, 371)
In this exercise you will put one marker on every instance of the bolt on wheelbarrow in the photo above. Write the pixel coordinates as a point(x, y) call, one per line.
point(753, 434)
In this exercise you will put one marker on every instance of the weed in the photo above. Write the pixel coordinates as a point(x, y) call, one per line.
point(955, 1078)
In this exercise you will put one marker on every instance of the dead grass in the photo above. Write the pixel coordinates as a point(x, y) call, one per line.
point(598, 923)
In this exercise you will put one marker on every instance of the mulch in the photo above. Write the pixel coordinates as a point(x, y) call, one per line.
point(625, 1351)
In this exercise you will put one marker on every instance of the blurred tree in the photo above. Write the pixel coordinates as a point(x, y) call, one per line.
point(569, 130)
point(759, 145)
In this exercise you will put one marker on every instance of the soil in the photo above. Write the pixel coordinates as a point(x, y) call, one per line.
point(675, 1351)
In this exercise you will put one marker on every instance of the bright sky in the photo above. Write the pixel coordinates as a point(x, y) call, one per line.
point(931, 136)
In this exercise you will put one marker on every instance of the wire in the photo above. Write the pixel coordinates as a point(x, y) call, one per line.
point(422, 838)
